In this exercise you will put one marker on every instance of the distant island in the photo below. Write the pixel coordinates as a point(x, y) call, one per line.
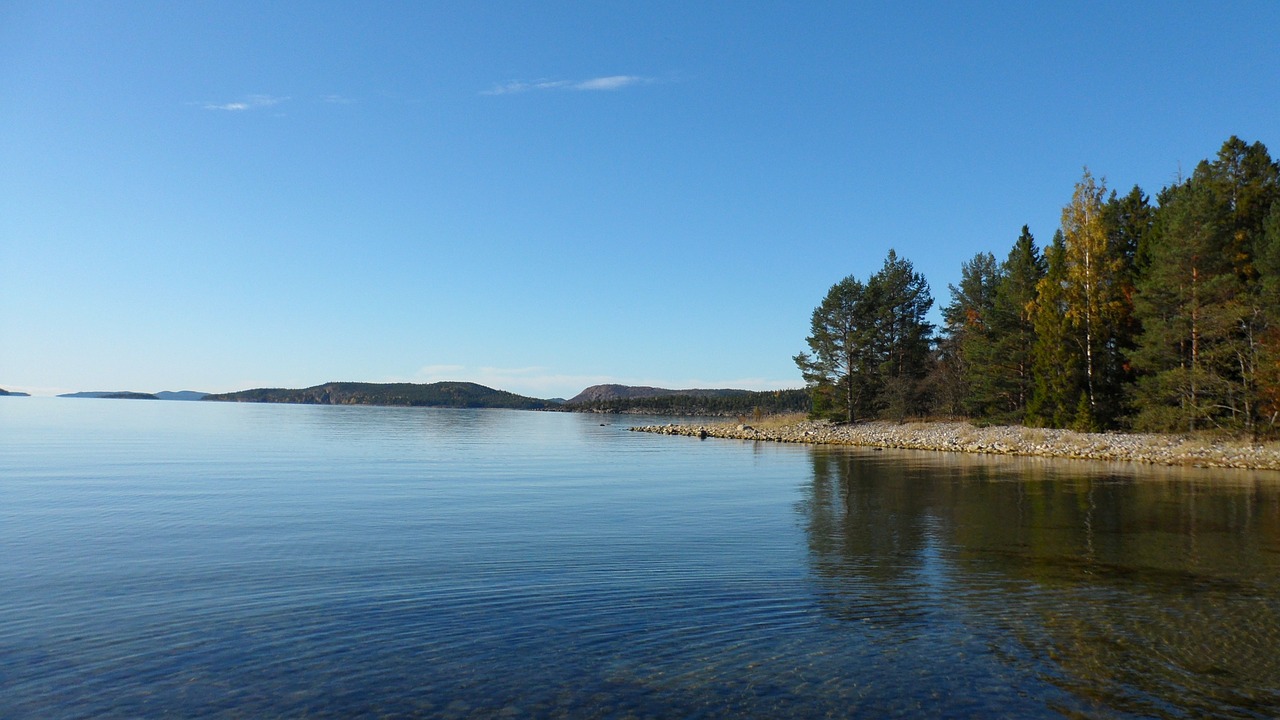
point(8, 393)
point(637, 400)
point(133, 395)
point(439, 394)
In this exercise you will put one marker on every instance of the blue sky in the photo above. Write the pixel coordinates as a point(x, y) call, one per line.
point(545, 196)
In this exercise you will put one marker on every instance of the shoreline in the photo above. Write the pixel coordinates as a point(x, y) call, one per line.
point(949, 436)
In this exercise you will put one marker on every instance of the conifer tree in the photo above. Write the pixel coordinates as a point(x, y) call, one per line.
point(1267, 257)
point(969, 332)
point(1246, 182)
point(869, 344)
point(900, 299)
point(1056, 357)
point(1180, 301)
point(1013, 327)
point(838, 372)
point(1128, 221)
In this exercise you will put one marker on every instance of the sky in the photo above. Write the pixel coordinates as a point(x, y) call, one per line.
point(539, 197)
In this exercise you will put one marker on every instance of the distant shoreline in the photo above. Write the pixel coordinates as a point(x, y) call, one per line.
point(1149, 448)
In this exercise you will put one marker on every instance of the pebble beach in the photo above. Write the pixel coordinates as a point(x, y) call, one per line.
point(1149, 448)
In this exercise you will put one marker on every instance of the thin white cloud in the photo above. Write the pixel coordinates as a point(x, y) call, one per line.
point(335, 99)
point(609, 82)
point(612, 82)
point(250, 102)
point(519, 86)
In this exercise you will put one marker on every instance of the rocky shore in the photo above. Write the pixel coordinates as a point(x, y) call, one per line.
point(1159, 449)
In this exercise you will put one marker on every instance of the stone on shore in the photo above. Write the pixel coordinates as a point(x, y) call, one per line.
point(1149, 448)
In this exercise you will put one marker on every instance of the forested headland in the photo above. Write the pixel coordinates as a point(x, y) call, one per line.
point(724, 403)
point(1140, 314)
point(440, 394)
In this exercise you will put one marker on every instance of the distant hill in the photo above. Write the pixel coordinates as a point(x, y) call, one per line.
point(180, 395)
point(660, 401)
point(133, 395)
point(440, 394)
point(8, 393)
point(597, 393)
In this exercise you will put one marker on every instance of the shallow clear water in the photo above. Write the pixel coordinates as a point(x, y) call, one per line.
point(223, 560)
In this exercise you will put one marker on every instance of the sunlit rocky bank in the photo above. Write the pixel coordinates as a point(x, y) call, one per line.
point(1157, 449)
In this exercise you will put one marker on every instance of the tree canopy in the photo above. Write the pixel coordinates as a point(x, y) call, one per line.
point(1137, 315)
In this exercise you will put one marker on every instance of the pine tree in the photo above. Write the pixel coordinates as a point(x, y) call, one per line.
point(1207, 316)
point(1179, 301)
point(838, 371)
point(900, 299)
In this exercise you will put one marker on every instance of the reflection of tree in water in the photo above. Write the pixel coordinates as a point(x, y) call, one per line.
point(1155, 593)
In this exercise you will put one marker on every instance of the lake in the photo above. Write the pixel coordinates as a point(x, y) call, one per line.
point(233, 560)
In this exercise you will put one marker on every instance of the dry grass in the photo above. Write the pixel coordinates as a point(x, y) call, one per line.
point(1032, 436)
point(770, 422)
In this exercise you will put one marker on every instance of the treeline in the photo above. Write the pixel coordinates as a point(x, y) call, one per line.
point(1159, 316)
point(440, 394)
point(769, 402)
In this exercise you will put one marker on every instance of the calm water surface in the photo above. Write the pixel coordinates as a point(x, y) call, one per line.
point(221, 560)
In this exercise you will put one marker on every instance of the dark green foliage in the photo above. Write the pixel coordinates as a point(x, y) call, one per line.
point(441, 394)
point(1163, 317)
point(1267, 258)
point(969, 335)
point(841, 371)
point(990, 333)
point(1208, 348)
point(1013, 329)
point(1189, 265)
point(1056, 357)
point(899, 298)
point(1128, 220)
point(869, 345)
point(731, 404)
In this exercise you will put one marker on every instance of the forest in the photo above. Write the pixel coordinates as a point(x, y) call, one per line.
point(1147, 315)
point(736, 403)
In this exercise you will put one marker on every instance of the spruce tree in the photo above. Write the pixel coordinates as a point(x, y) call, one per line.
point(969, 331)
point(1128, 221)
point(1013, 331)
point(1056, 363)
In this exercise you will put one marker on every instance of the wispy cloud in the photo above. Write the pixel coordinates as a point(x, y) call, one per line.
point(609, 82)
point(612, 82)
point(337, 100)
point(250, 102)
